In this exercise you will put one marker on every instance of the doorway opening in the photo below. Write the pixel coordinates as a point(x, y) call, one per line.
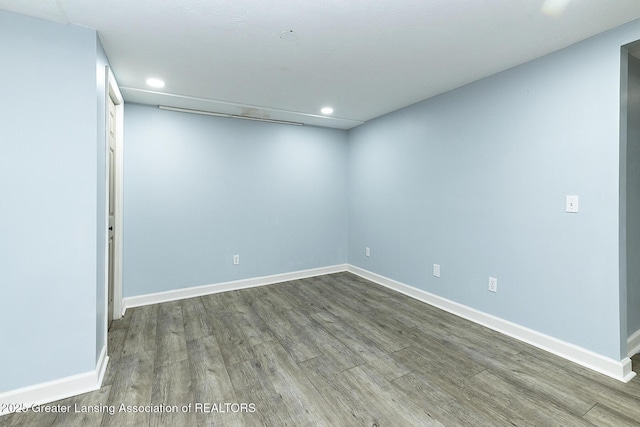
point(631, 215)
point(114, 156)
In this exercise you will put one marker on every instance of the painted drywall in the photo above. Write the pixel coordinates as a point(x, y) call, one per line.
point(48, 208)
point(200, 189)
point(633, 196)
point(475, 180)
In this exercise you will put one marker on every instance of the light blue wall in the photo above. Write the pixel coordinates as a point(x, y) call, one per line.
point(199, 189)
point(48, 207)
point(475, 180)
point(633, 197)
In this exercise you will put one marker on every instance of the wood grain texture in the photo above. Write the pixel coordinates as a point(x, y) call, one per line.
point(86, 409)
point(171, 391)
point(252, 385)
point(601, 415)
point(347, 402)
point(253, 327)
point(334, 350)
point(211, 382)
point(519, 405)
point(194, 316)
point(362, 345)
point(445, 402)
point(132, 382)
point(308, 330)
point(234, 345)
point(171, 342)
point(141, 333)
point(301, 400)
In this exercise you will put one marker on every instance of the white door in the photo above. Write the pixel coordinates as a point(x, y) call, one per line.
point(112, 206)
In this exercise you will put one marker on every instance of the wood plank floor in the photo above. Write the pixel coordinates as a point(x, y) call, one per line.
point(334, 350)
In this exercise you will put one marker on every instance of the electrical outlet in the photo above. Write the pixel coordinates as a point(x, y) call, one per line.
point(367, 251)
point(236, 259)
point(493, 284)
point(436, 270)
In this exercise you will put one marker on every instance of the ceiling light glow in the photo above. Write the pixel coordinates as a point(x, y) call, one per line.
point(153, 82)
point(327, 110)
point(554, 8)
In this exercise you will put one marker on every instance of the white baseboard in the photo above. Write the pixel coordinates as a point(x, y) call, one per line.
point(620, 370)
point(101, 366)
point(633, 344)
point(51, 391)
point(63, 388)
point(198, 291)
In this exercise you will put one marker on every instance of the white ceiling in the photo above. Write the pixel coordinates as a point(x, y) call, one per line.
point(363, 58)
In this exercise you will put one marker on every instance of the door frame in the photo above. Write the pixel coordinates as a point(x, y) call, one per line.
point(113, 92)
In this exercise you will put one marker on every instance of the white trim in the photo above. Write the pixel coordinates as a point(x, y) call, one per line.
point(619, 370)
point(113, 92)
point(198, 291)
point(101, 367)
point(63, 388)
point(152, 97)
point(52, 391)
point(227, 115)
point(633, 344)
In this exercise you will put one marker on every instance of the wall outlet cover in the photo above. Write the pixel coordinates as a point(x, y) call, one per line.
point(493, 284)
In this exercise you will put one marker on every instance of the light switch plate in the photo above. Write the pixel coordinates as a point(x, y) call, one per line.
point(572, 204)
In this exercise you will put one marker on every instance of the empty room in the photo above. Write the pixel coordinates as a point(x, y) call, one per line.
point(331, 213)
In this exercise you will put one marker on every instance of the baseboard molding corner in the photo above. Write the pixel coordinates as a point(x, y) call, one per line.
point(51, 391)
point(633, 344)
point(619, 370)
point(101, 366)
point(198, 291)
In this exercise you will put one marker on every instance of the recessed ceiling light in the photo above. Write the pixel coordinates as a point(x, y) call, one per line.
point(153, 82)
point(327, 110)
point(554, 8)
